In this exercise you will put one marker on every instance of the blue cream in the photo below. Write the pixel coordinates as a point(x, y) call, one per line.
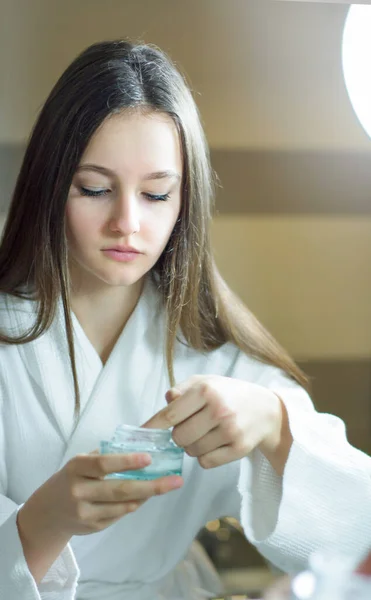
point(167, 457)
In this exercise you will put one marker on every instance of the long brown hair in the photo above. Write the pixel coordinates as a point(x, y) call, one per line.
point(107, 78)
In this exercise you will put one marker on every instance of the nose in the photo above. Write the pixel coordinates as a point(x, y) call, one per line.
point(125, 218)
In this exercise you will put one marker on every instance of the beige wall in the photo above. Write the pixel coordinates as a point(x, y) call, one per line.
point(267, 74)
point(306, 277)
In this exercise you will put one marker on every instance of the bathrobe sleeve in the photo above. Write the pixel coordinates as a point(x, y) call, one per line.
point(16, 581)
point(323, 500)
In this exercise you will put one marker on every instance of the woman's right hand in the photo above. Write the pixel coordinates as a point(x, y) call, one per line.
point(77, 500)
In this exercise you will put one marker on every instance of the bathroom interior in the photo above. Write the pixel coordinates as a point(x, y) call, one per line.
point(292, 224)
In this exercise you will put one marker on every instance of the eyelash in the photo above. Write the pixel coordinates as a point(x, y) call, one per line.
point(104, 192)
point(93, 193)
point(157, 197)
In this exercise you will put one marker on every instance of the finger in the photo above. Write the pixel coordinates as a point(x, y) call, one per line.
point(100, 512)
point(163, 485)
point(127, 508)
point(172, 395)
point(184, 386)
point(196, 427)
point(183, 407)
point(225, 433)
point(220, 456)
point(103, 511)
point(100, 465)
point(126, 490)
point(210, 442)
point(159, 420)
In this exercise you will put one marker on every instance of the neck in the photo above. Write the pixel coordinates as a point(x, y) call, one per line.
point(103, 311)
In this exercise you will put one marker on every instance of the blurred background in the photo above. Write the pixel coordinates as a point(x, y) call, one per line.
point(292, 230)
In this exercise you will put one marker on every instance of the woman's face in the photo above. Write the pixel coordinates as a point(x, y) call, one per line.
point(125, 198)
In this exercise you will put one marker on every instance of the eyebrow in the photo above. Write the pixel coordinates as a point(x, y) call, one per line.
point(149, 177)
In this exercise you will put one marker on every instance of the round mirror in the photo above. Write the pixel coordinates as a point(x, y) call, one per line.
point(356, 56)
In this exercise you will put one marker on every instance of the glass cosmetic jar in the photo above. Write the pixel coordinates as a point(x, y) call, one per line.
point(167, 457)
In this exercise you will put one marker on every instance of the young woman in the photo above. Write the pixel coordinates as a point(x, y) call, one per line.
point(112, 311)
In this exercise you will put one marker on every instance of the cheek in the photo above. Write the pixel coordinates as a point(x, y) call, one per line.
point(81, 224)
point(161, 223)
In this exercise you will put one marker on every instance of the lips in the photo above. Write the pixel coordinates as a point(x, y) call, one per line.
point(122, 249)
point(122, 254)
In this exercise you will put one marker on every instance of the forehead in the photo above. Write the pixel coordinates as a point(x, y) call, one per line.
point(136, 142)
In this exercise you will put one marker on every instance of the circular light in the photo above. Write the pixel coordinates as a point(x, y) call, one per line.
point(304, 585)
point(213, 525)
point(356, 56)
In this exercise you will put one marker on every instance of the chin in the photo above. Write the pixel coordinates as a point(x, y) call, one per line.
point(121, 279)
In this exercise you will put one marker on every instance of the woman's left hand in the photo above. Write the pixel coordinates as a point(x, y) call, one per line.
point(219, 419)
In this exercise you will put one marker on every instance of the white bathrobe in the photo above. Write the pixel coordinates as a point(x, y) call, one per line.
point(324, 498)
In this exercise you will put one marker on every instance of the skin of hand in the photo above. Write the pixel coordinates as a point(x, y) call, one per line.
point(219, 419)
point(78, 500)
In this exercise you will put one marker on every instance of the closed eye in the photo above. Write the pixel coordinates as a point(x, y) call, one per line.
point(157, 197)
point(94, 192)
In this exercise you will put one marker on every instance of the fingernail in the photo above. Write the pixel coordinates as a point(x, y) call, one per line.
point(138, 460)
point(177, 483)
point(172, 394)
point(144, 459)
